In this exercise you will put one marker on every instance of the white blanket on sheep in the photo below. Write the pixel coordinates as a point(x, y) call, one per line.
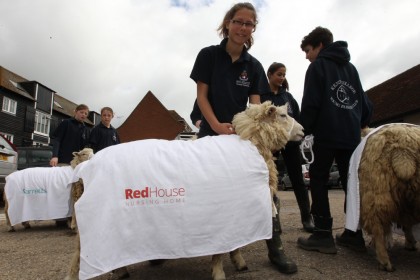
point(353, 194)
point(39, 193)
point(158, 199)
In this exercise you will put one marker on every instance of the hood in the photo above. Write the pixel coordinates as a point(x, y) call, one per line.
point(336, 51)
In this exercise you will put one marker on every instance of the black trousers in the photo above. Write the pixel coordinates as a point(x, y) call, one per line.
point(293, 163)
point(319, 172)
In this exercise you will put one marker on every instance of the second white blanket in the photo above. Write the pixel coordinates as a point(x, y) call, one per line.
point(39, 193)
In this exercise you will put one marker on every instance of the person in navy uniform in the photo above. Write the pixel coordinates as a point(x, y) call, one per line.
point(71, 135)
point(279, 96)
point(104, 134)
point(334, 109)
point(228, 78)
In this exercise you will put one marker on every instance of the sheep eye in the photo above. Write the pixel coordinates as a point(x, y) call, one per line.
point(283, 115)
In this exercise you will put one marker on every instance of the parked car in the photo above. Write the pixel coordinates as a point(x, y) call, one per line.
point(286, 184)
point(305, 174)
point(8, 161)
point(34, 156)
point(334, 180)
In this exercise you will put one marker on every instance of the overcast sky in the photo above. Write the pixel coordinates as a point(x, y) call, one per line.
point(112, 52)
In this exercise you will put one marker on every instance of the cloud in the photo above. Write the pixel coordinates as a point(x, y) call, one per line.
point(111, 53)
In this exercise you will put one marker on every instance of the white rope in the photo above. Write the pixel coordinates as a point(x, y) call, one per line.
point(291, 128)
point(307, 143)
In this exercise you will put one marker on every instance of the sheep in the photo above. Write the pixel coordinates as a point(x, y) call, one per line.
point(260, 125)
point(389, 181)
point(40, 180)
point(266, 126)
point(77, 187)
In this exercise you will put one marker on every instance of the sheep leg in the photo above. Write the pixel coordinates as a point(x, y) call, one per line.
point(73, 223)
point(380, 249)
point(73, 273)
point(10, 228)
point(410, 241)
point(76, 192)
point(238, 260)
point(217, 267)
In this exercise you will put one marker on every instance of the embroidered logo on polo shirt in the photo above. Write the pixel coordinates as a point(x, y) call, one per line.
point(243, 79)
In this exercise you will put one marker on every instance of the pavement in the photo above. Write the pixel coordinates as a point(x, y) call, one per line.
point(44, 252)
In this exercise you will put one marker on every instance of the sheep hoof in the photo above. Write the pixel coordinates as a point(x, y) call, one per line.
point(387, 267)
point(219, 276)
point(11, 229)
point(26, 225)
point(410, 246)
point(243, 268)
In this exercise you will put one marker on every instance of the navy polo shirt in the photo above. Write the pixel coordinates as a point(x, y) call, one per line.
point(102, 137)
point(230, 84)
point(70, 136)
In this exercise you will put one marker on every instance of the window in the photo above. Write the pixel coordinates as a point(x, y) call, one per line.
point(9, 105)
point(7, 136)
point(42, 123)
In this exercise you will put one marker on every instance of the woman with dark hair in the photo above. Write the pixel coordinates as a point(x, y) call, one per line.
point(279, 96)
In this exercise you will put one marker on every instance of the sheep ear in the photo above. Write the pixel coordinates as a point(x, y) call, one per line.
point(75, 153)
point(271, 111)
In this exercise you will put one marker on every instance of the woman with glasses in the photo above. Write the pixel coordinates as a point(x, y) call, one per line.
point(227, 78)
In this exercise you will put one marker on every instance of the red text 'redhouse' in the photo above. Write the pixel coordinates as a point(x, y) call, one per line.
point(156, 192)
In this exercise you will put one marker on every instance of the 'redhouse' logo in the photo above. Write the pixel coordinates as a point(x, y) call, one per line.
point(154, 196)
point(345, 95)
point(243, 79)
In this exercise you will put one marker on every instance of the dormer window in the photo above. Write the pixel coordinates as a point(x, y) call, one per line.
point(17, 85)
point(58, 104)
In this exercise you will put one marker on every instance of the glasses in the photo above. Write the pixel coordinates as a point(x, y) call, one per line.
point(239, 23)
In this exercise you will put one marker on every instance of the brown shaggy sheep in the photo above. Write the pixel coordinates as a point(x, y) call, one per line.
point(267, 127)
point(389, 179)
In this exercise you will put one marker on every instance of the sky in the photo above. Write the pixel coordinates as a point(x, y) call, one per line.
point(112, 52)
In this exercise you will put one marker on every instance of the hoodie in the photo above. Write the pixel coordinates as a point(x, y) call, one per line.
point(334, 105)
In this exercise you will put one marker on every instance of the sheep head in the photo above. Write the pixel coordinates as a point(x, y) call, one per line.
point(81, 156)
point(267, 126)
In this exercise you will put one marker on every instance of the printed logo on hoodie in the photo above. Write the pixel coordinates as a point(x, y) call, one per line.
point(344, 95)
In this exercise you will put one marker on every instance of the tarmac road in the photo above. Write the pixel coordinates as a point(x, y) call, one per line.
point(44, 252)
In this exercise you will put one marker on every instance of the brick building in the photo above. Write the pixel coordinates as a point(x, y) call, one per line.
point(150, 119)
point(397, 99)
